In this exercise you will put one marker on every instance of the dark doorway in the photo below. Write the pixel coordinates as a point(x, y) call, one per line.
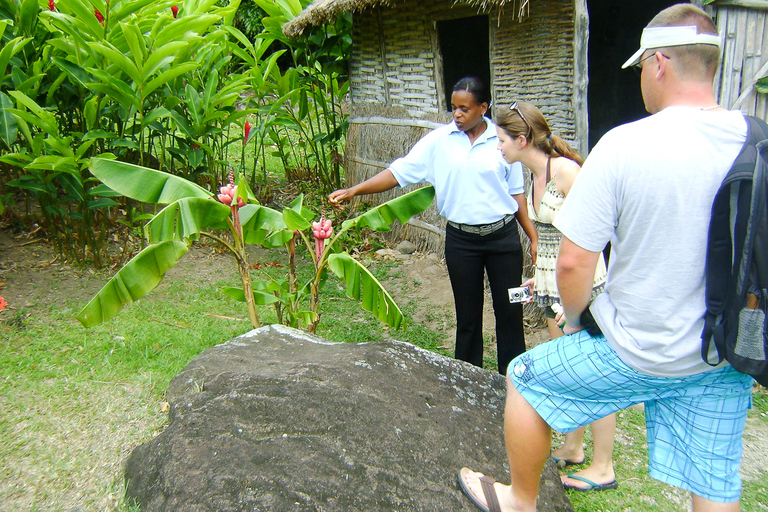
point(464, 50)
point(614, 35)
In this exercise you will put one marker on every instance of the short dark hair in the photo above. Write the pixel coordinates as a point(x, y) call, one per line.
point(476, 87)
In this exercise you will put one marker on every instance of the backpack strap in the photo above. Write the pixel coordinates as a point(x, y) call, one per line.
point(727, 236)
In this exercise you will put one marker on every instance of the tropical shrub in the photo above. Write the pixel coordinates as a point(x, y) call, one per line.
point(157, 84)
point(192, 212)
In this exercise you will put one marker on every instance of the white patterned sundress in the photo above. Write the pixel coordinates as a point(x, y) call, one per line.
point(545, 283)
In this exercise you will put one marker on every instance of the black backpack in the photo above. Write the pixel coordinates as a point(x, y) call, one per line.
point(737, 262)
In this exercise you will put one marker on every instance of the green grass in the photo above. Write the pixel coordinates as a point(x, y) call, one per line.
point(74, 402)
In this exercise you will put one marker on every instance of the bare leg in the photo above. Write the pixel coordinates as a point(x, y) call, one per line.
point(528, 440)
point(572, 449)
point(554, 330)
point(600, 470)
point(704, 505)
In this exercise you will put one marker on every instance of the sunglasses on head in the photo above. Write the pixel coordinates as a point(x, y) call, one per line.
point(516, 108)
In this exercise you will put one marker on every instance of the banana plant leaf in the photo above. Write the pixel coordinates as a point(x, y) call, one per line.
point(137, 278)
point(259, 298)
point(361, 285)
point(144, 184)
point(401, 208)
point(295, 216)
point(186, 218)
point(264, 226)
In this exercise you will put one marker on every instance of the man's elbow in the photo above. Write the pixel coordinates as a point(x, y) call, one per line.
point(573, 258)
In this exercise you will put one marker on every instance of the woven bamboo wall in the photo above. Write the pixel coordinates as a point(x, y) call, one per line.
point(394, 75)
point(532, 60)
point(745, 58)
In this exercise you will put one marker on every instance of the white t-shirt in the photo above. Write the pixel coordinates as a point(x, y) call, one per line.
point(473, 183)
point(647, 187)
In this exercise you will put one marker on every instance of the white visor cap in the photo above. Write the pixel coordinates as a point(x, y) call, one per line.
point(662, 37)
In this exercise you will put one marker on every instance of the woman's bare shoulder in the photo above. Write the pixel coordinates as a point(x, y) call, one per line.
point(565, 173)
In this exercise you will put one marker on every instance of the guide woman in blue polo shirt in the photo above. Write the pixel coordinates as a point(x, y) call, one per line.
point(481, 196)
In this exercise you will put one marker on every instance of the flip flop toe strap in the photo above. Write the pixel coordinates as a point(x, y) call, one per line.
point(490, 494)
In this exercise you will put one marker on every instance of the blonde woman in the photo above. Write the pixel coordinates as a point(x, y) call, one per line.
point(525, 136)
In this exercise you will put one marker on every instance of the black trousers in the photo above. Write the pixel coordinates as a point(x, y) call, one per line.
point(468, 257)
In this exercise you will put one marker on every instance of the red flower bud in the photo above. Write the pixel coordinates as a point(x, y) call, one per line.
point(99, 16)
point(175, 11)
point(247, 130)
point(51, 5)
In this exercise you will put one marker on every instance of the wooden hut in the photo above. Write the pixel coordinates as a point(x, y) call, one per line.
point(562, 55)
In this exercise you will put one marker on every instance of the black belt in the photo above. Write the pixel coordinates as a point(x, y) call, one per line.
point(483, 229)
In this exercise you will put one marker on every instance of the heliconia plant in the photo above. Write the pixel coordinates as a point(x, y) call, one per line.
point(192, 211)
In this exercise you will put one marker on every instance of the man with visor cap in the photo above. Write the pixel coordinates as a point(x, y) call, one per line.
point(647, 188)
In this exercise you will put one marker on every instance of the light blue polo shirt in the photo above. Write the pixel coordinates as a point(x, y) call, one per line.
point(473, 183)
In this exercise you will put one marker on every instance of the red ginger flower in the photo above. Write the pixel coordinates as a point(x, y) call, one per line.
point(3, 304)
point(51, 5)
point(99, 16)
point(247, 131)
point(175, 11)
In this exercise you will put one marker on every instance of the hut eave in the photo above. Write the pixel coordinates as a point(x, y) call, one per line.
point(321, 12)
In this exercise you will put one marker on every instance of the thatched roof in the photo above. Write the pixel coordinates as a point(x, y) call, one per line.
point(325, 11)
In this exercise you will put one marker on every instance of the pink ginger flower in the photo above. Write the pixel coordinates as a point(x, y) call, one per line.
point(175, 11)
point(322, 231)
point(3, 304)
point(99, 16)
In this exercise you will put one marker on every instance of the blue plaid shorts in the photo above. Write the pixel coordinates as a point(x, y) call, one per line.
point(694, 423)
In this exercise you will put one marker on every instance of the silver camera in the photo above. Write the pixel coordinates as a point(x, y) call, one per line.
point(521, 294)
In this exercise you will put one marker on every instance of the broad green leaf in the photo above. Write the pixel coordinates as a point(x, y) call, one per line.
point(186, 218)
point(9, 50)
point(8, 128)
point(294, 220)
point(127, 8)
point(76, 73)
point(259, 298)
point(308, 317)
point(179, 28)
point(135, 42)
point(762, 85)
point(28, 16)
point(47, 119)
point(115, 57)
point(264, 226)
point(144, 184)
point(137, 278)
point(98, 134)
point(161, 56)
point(361, 285)
point(401, 208)
point(167, 76)
point(102, 202)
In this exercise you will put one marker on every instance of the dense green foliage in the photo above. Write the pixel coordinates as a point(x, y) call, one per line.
point(171, 86)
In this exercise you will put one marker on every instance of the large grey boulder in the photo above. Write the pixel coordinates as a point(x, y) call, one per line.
point(279, 420)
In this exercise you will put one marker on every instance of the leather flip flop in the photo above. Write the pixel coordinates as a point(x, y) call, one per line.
point(488, 491)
